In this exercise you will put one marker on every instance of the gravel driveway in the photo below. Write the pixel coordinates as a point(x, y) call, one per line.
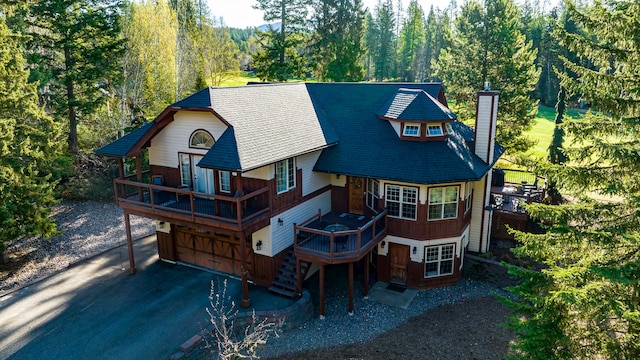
point(89, 228)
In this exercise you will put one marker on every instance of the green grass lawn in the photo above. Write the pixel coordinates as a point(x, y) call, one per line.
point(542, 129)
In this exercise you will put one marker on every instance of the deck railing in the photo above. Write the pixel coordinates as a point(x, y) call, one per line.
point(339, 246)
point(184, 202)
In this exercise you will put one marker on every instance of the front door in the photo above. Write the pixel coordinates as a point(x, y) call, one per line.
point(399, 262)
point(356, 195)
point(203, 179)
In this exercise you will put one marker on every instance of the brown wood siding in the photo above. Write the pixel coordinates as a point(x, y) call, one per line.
point(415, 274)
point(171, 175)
point(166, 248)
point(286, 199)
point(383, 267)
point(265, 268)
point(423, 229)
point(339, 199)
point(416, 279)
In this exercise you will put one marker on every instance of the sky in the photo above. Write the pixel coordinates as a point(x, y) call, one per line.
point(240, 13)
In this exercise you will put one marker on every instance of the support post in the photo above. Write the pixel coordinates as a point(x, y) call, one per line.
point(366, 276)
point(321, 291)
point(246, 302)
point(351, 288)
point(132, 261)
point(299, 275)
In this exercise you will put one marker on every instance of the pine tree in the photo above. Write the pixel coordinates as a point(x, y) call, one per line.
point(336, 44)
point(585, 303)
point(27, 148)
point(488, 46)
point(412, 40)
point(74, 49)
point(282, 53)
point(383, 52)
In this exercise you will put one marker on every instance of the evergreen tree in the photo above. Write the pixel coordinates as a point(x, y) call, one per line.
point(369, 44)
point(488, 46)
point(585, 303)
point(337, 48)
point(27, 148)
point(282, 53)
point(74, 50)
point(383, 52)
point(412, 41)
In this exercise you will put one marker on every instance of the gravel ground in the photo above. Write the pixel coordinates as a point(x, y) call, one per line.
point(89, 227)
point(373, 319)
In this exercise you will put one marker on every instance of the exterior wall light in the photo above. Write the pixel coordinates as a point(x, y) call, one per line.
point(382, 244)
point(280, 222)
point(415, 250)
point(259, 245)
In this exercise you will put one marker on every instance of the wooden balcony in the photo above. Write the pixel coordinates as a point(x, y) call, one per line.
point(335, 239)
point(184, 205)
point(511, 198)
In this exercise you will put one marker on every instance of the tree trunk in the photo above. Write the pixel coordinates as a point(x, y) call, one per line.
point(73, 121)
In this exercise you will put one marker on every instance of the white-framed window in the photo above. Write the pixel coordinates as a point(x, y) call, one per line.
point(434, 130)
point(443, 203)
point(448, 127)
point(468, 192)
point(401, 201)
point(285, 175)
point(411, 130)
point(373, 194)
point(185, 170)
point(438, 260)
point(201, 139)
point(224, 181)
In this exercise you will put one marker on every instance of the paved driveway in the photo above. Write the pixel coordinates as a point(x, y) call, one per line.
point(96, 310)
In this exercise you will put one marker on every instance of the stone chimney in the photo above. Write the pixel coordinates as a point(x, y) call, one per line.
point(485, 129)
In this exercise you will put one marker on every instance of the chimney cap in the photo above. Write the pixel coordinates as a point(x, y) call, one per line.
point(487, 86)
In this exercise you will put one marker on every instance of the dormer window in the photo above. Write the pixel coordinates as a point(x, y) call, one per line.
point(411, 130)
point(434, 130)
point(201, 139)
point(449, 128)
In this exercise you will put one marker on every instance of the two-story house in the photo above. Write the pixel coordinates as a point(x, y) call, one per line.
point(263, 180)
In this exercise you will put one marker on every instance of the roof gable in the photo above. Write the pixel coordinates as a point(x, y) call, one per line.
point(121, 147)
point(414, 105)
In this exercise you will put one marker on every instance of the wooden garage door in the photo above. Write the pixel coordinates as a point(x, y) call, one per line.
point(212, 251)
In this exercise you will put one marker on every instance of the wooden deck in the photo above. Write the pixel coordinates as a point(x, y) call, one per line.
point(338, 238)
point(231, 212)
point(511, 198)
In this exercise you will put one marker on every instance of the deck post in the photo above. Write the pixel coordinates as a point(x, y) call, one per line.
point(351, 288)
point(366, 276)
point(299, 275)
point(132, 261)
point(321, 291)
point(246, 302)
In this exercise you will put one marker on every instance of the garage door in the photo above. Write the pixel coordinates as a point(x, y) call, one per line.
point(213, 251)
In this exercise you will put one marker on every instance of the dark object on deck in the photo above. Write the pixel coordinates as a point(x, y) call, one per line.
point(498, 177)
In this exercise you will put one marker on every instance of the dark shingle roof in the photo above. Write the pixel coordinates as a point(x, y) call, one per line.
point(270, 123)
point(369, 147)
point(121, 146)
point(416, 105)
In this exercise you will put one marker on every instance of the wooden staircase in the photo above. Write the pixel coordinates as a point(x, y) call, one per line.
point(286, 281)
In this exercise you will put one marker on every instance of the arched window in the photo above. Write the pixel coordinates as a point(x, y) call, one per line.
point(201, 139)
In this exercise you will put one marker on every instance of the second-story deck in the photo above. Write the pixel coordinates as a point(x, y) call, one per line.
point(233, 212)
point(338, 238)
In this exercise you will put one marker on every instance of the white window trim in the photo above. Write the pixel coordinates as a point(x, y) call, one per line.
point(185, 178)
point(371, 193)
point(411, 125)
point(468, 189)
point(197, 146)
point(289, 168)
point(442, 204)
point(400, 200)
point(449, 128)
point(434, 126)
point(221, 183)
point(440, 260)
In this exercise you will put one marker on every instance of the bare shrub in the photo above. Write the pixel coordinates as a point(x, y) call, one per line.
point(235, 342)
